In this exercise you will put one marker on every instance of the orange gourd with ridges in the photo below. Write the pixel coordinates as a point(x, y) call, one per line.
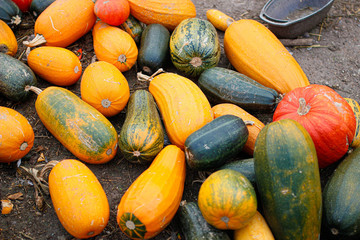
point(256, 52)
point(254, 127)
point(183, 106)
point(115, 46)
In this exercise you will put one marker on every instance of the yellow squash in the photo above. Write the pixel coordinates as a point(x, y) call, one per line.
point(256, 229)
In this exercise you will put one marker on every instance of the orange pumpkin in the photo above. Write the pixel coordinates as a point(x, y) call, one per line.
point(152, 200)
point(183, 106)
point(256, 52)
point(113, 12)
point(168, 13)
point(115, 46)
point(63, 22)
point(105, 88)
point(16, 135)
point(56, 65)
point(8, 43)
point(78, 199)
point(327, 117)
point(254, 128)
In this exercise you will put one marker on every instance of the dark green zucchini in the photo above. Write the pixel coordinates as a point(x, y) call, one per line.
point(154, 48)
point(194, 46)
point(14, 76)
point(133, 27)
point(244, 166)
point(288, 180)
point(142, 134)
point(194, 226)
point(38, 6)
point(223, 85)
point(341, 197)
point(10, 13)
point(216, 142)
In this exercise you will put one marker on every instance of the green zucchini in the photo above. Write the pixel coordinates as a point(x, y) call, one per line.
point(288, 180)
point(244, 166)
point(194, 46)
point(194, 226)
point(154, 48)
point(223, 85)
point(14, 76)
point(216, 142)
point(142, 134)
point(341, 197)
point(38, 6)
point(10, 13)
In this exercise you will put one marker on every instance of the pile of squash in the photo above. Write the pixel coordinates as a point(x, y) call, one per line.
point(205, 111)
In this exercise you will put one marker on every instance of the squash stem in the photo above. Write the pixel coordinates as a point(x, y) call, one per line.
point(16, 20)
point(249, 123)
point(145, 78)
point(38, 40)
point(303, 108)
point(34, 89)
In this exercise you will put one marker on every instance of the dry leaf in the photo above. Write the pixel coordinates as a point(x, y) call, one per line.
point(16, 196)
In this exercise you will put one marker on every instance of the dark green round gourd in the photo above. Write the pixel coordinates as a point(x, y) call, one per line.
point(154, 48)
point(194, 46)
point(38, 6)
point(288, 180)
point(223, 85)
point(14, 76)
point(341, 197)
point(216, 142)
point(142, 134)
point(194, 226)
point(10, 13)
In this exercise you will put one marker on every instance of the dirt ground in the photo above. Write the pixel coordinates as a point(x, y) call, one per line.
point(333, 60)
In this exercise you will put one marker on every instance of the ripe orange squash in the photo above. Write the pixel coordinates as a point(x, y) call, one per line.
point(183, 106)
point(256, 52)
point(115, 46)
point(168, 13)
point(105, 88)
point(256, 229)
point(113, 12)
point(227, 200)
point(356, 109)
point(8, 43)
point(327, 117)
point(16, 135)
point(78, 199)
point(152, 200)
point(63, 22)
point(56, 65)
point(219, 19)
point(254, 128)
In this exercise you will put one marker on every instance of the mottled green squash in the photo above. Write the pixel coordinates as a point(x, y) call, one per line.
point(244, 166)
point(194, 46)
point(288, 180)
point(82, 129)
point(142, 134)
point(14, 76)
point(341, 197)
point(133, 27)
point(38, 6)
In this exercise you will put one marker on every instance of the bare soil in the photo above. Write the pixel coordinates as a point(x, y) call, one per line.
point(332, 60)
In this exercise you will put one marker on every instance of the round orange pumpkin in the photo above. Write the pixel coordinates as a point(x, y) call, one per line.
point(78, 199)
point(105, 88)
point(115, 46)
point(56, 65)
point(327, 117)
point(113, 12)
point(8, 43)
point(227, 200)
point(16, 135)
